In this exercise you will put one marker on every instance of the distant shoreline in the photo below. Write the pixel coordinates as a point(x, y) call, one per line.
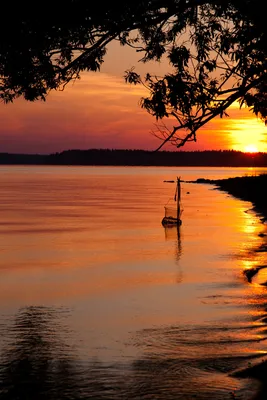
point(109, 157)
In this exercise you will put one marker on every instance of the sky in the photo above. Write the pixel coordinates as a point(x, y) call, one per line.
point(101, 111)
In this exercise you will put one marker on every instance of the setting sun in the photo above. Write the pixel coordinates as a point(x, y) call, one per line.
point(251, 148)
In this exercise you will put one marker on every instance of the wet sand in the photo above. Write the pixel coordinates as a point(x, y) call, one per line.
point(253, 189)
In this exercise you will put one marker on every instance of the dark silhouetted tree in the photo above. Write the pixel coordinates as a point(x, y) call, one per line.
point(216, 50)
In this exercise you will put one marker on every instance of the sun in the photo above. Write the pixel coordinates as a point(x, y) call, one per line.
point(251, 148)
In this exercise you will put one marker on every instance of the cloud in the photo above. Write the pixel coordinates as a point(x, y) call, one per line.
point(100, 110)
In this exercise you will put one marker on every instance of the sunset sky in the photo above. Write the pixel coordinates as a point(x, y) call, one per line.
point(101, 111)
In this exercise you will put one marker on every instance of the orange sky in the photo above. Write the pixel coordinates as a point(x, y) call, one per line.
point(101, 111)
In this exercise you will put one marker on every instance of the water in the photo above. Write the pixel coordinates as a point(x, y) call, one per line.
point(99, 301)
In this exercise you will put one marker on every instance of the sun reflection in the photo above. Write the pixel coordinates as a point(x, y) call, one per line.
point(248, 264)
point(250, 223)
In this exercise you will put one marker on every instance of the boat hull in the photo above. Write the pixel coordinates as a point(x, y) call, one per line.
point(169, 221)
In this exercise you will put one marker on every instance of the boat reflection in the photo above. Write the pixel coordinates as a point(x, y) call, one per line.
point(173, 233)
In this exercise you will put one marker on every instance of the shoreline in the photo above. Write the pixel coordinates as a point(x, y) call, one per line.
point(247, 188)
point(254, 190)
point(135, 157)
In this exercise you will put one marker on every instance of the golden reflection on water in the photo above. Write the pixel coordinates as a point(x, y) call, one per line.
point(90, 240)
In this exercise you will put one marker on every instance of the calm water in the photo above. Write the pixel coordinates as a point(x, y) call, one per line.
point(99, 301)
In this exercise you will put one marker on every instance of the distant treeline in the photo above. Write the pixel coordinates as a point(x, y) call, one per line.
point(223, 158)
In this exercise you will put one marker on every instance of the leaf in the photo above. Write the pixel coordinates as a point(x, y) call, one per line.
point(132, 77)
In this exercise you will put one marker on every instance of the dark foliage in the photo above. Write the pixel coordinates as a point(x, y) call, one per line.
point(216, 50)
point(227, 158)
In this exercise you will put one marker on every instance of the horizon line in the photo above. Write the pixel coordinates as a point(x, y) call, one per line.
point(137, 150)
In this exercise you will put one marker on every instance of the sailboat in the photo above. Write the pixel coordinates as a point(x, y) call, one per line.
point(173, 214)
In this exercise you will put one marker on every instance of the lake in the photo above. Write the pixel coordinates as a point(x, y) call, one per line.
point(99, 301)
